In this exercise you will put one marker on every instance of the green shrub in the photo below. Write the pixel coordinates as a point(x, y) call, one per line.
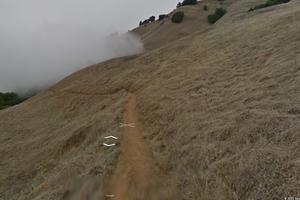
point(147, 21)
point(205, 7)
point(269, 3)
point(275, 2)
point(178, 17)
point(161, 17)
point(189, 2)
point(219, 13)
point(152, 19)
point(9, 99)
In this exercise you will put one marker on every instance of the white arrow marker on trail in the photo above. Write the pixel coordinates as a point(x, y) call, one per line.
point(108, 137)
point(108, 145)
point(110, 196)
point(113, 137)
point(132, 125)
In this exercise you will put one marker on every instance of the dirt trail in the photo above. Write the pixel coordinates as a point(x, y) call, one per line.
point(134, 177)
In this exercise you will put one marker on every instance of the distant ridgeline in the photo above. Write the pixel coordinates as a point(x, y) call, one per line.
point(177, 17)
point(163, 16)
point(10, 99)
point(220, 12)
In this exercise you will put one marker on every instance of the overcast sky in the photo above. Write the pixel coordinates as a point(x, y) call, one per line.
point(41, 41)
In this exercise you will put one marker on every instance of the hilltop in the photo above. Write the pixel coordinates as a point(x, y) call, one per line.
point(206, 112)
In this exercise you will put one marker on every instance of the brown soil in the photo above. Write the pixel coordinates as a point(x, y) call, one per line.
point(134, 175)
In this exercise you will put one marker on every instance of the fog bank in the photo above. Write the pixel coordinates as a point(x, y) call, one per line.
point(43, 41)
point(43, 59)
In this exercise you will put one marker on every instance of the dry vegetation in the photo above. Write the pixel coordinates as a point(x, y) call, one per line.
point(219, 107)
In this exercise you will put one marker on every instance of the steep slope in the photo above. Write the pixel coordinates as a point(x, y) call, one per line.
point(159, 33)
point(218, 114)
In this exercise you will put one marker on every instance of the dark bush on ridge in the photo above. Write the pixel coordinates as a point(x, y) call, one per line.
point(269, 3)
point(179, 5)
point(161, 17)
point(10, 99)
point(189, 2)
point(205, 7)
point(152, 18)
point(147, 21)
point(219, 13)
point(178, 17)
point(275, 2)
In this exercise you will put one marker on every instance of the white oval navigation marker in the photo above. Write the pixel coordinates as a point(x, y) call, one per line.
point(109, 145)
point(132, 125)
point(113, 137)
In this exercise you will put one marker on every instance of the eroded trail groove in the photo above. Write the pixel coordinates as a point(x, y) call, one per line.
point(134, 177)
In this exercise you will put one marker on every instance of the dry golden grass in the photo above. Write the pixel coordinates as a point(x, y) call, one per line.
point(220, 111)
point(159, 33)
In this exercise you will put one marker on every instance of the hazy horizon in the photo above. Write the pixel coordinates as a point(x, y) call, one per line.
point(43, 41)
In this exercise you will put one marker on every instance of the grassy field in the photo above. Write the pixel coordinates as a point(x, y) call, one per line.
point(218, 109)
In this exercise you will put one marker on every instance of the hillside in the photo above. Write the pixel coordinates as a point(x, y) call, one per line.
point(214, 113)
point(159, 33)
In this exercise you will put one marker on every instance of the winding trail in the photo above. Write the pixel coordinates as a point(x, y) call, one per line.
point(134, 178)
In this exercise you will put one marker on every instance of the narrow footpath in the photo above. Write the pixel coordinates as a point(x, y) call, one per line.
point(134, 178)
